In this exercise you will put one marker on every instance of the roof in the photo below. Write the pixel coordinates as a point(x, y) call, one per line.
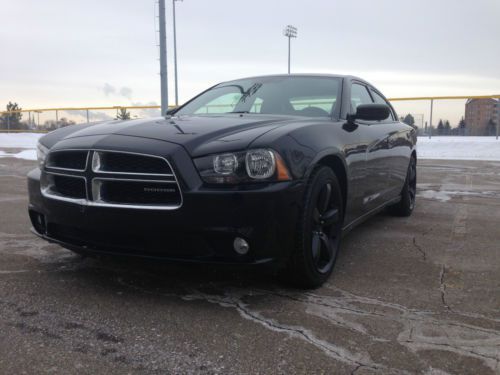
point(472, 100)
point(300, 75)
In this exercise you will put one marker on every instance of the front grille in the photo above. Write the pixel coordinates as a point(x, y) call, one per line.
point(118, 162)
point(73, 160)
point(64, 186)
point(138, 192)
point(112, 178)
point(72, 187)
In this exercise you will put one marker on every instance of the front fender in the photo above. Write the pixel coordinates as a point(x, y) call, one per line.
point(331, 152)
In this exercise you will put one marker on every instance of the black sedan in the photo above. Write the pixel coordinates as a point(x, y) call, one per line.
point(266, 170)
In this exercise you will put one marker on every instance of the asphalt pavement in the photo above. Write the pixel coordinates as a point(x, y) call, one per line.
point(418, 295)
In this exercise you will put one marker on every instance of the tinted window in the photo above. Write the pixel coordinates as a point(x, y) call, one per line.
point(322, 102)
point(380, 100)
point(295, 96)
point(222, 103)
point(359, 95)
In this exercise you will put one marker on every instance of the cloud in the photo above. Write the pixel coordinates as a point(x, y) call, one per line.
point(108, 89)
point(126, 92)
point(93, 115)
point(147, 112)
point(99, 116)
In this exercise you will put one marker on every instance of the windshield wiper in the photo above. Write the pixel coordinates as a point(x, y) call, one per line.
point(239, 112)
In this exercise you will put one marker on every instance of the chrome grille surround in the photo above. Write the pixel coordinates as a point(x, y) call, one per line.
point(94, 178)
point(53, 155)
point(46, 186)
point(99, 164)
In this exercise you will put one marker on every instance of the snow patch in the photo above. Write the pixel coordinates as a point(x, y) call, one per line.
point(26, 155)
point(446, 195)
point(19, 140)
point(459, 148)
point(442, 196)
point(443, 148)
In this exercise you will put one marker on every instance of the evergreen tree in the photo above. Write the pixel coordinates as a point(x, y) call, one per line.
point(447, 128)
point(11, 120)
point(409, 119)
point(123, 114)
point(462, 126)
point(440, 128)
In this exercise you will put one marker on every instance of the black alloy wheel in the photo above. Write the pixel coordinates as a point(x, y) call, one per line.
point(412, 183)
point(324, 230)
point(406, 205)
point(319, 233)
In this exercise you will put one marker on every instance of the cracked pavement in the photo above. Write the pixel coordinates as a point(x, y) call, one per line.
point(418, 295)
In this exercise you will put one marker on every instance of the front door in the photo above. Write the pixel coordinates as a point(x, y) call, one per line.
point(374, 138)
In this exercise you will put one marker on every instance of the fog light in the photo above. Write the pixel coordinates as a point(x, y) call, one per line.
point(38, 221)
point(241, 246)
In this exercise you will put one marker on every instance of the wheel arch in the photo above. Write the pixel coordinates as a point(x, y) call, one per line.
point(414, 154)
point(338, 166)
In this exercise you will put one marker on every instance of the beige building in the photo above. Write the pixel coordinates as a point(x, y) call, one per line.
point(478, 113)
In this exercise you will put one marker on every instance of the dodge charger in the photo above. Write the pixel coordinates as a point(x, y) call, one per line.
point(265, 170)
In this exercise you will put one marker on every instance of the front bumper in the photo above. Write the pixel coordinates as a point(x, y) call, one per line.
point(202, 230)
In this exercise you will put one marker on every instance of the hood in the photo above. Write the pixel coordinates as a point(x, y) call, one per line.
point(199, 135)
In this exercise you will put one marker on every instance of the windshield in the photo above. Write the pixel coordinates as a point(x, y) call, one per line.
point(293, 96)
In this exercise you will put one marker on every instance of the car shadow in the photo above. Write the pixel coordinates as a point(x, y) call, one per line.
point(168, 277)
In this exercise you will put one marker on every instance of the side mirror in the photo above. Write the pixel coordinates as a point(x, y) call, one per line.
point(371, 112)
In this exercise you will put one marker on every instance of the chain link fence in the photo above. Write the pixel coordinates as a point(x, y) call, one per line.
point(433, 116)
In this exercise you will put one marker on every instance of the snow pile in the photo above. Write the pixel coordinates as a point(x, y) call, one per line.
point(26, 141)
point(19, 140)
point(450, 148)
point(26, 155)
point(459, 148)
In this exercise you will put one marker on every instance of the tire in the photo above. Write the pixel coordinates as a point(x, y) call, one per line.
point(406, 205)
point(319, 230)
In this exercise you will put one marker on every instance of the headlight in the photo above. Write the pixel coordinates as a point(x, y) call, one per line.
point(260, 164)
point(240, 167)
point(225, 164)
point(41, 154)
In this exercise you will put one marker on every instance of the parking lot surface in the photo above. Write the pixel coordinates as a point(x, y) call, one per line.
point(408, 295)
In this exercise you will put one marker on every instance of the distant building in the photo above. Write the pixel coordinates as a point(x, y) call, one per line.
point(478, 113)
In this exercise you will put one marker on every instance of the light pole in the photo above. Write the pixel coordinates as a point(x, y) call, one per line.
point(163, 59)
point(175, 56)
point(498, 119)
point(430, 120)
point(290, 32)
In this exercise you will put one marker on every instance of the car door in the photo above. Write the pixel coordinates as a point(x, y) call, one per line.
point(375, 142)
point(398, 148)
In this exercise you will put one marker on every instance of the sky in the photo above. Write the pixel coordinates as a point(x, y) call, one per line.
point(58, 53)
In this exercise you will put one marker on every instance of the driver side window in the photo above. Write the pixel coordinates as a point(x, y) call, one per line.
point(359, 96)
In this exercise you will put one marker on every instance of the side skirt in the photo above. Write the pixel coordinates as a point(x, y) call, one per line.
point(368, 215)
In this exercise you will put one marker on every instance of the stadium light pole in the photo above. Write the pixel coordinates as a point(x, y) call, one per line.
point(175, 56)
point(163, 58)
point(430, 122)
point(290, 32)
point(498, 119)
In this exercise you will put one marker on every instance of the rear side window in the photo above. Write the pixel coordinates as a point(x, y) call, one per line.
point(359, 96)
point(380, 100)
